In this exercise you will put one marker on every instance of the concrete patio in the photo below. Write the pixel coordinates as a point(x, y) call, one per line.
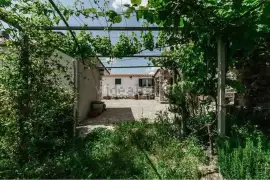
point(126, 110)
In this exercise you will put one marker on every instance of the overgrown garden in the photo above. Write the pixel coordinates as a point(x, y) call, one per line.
point(37, 124)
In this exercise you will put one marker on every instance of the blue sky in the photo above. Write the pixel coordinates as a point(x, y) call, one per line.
point(117, 6)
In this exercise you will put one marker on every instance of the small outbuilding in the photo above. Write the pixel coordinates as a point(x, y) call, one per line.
point(162, 78)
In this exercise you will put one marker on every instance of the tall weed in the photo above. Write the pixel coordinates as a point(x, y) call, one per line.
point(245, 157)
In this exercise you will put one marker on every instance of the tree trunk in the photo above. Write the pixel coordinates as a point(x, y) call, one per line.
point(23, 99)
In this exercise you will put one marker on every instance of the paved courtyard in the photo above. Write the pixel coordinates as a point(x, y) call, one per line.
point(127, 110)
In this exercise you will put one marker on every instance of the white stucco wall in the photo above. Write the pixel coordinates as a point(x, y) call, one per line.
point(86, 81)
point(129, 86)
point(66, 75)
point(89, 89)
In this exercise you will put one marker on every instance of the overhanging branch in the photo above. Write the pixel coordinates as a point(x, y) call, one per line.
point(9, 18)
point(66, 23)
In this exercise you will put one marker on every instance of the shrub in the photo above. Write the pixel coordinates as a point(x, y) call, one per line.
point(245, 157)
point(132, 150)
point(140, 150)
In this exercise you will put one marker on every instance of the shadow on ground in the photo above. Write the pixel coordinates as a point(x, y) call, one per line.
point(110, 117)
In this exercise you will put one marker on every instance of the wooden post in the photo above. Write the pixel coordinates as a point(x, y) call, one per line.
point(221, 87)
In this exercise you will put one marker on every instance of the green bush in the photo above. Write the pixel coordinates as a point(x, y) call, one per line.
point(49, 131)
point(136, 150)
point(141, 150)
point(246, 156)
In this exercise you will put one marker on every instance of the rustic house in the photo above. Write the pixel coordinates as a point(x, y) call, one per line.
point(127, 85)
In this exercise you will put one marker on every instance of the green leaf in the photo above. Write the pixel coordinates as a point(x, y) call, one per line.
point(136, 2)
point(77, 13)
point(139, 15)
point(118, 19)
point(211, 1)
point(88, 11)
point(101, 14)
point(66, 14)
point(114, 17)
point(181, 22)
point(57, 20)
point(129, 11)
point(4, 3)
point(148, 40)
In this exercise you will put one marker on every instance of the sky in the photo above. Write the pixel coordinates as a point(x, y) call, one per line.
point(116, 5)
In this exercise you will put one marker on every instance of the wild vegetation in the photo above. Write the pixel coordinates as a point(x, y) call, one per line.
point(245, 155)
point(37, 123)
point(132, 150)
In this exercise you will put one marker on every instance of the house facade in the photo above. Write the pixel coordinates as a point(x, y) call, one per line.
point(127, 85)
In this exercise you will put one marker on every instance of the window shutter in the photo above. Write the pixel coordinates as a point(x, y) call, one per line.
point(140, 82)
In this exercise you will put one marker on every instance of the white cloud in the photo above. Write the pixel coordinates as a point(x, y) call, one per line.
point(119, 4)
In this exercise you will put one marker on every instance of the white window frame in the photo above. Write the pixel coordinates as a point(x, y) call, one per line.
point(147, 82)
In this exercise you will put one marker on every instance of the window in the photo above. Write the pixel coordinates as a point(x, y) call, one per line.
point(146, 82)
point(117, 81)
point(150, 82)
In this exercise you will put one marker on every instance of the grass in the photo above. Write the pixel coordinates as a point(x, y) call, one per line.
point(139, 150)
point(134, 150)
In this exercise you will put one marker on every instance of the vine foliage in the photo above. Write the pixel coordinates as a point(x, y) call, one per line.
point(36, 116)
